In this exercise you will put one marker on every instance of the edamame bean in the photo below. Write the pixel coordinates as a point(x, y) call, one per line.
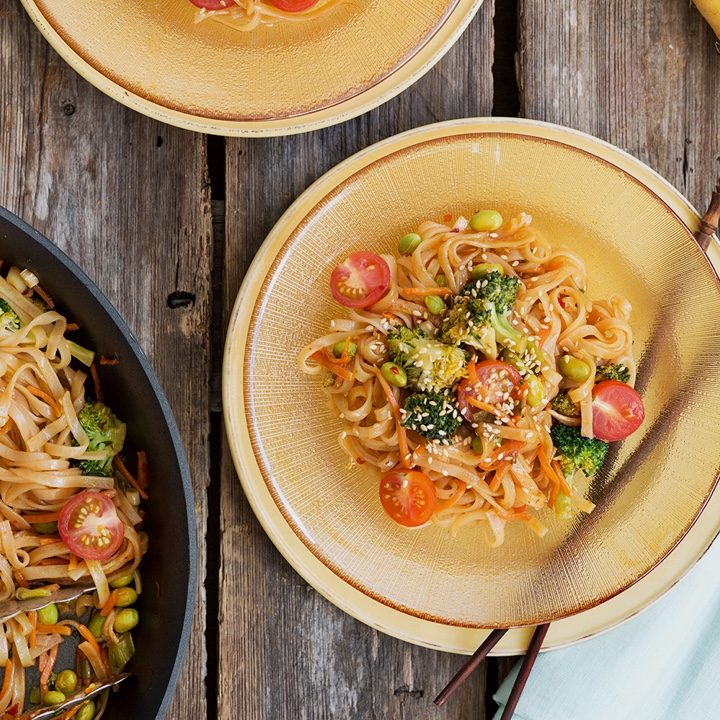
point(408, 243)
point(536, 391)
point(126, 596)
point(53, 697)
point(338, 351)
point(66, 682)
point(46, 528)
point(477, 445)
point(435, 304)
point(486, 221)
point(574, 369)
point(394, 374)
point(48, 615)
point(123, 581)
point(484, 268)
point(95, 625)
point(441, 281)
point(126, 620)
point(86, 712)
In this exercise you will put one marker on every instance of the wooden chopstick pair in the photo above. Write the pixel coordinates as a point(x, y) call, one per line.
point(708, 226)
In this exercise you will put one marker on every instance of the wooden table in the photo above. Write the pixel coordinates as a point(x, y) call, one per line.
point(166, 222)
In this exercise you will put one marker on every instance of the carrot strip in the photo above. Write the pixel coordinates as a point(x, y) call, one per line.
point(321, 359)
point(453, 498)
point(402, 435)
point(37, 518)
point(37, 392)
point(6, 427)
point(96, 380)
point(550, 472)
point(71, 326)
point(561, 476)
point(46, 298)
point(412, 292)
point(500, 471)
point(120, 465)
point(47, 670)
point(110, 604)
point(109, 361)
point(56, 629)
point(54, 561)
point(21, 581)
point(73, 711)
point(7, 678)
point(73, 563)
point(505, 449)
point(485, 406)
point(89, 637)
point(32, 617)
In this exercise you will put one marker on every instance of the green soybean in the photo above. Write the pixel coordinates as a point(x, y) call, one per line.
point(408, 243)
point(484, 268)
point(53, 697)
point(66, 682)
point(126, 620)
point(435, 304)
point(48, 615)
point(536, 391)
point(338, 350)
point(486, 221)
point(574, 369)
point(86, 712)
point(126, 596)
point(477, 445)
point(394, 374)
point(46, 528)
point(95, 625)
point(441, 281)
point(123, 581)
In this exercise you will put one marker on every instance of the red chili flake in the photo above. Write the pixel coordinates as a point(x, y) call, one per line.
point(359, 461)
point(447, 217)
point(560, 302)
point(455, 230)
point(14, 709)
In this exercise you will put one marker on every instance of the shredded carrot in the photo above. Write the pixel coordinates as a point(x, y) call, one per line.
point(96, 380)
point(390, 316)
point(37, 392)
point(453, 498)
point(37, 518)
point(472, 373)
point(561, 476)
point(53, 561)
point(109, 361)
point(550, 472)
point(413, 292)
point(32, 617)
point(73, 563)
point(110, 604)
point(50, 629)
point(500, 471)
point(7, 678)
point(21, 581)
point(485, 406)
point(89, 637)
point(402, 435)
point(6, 427)
point(321, 358)
point(47, 670)
point(507, 448)
point(46, 298)
point(120, 465)
point(73, 711)
point(71, 326)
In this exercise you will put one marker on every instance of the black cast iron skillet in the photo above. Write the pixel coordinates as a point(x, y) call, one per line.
point(133, 392)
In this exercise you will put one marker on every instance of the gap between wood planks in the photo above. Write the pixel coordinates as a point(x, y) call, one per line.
point(506, 103)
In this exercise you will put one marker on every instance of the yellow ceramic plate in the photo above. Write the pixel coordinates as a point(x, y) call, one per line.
point(633, 230)
point(275, 80)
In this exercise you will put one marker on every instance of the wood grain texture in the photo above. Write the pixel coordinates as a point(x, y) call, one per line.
point(127, 199)
point(641, 74)
point(285, 651)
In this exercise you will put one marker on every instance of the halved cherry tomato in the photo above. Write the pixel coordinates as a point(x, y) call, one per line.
point(213, 4)
point(496, 378)
point(90, 527)
point(293, 5)
point(361, 280)
point(408, 497)
point(618, 410)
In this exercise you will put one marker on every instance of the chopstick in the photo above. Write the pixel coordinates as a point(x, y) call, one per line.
point(709, 223)
point(462, 674)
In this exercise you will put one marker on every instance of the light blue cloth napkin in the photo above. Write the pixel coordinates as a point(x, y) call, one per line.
point(663, 664)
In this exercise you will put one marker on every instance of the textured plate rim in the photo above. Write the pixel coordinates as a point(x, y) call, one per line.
point(393, 84)
point(418, 630)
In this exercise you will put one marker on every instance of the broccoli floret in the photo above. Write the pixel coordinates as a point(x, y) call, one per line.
point(429, 363)
point(612, 372)
point(476, 322)
point(577, 452)
point(563, 405)
point(501, 290)
point(9, 320)
point(435, 416)
point(105, 432)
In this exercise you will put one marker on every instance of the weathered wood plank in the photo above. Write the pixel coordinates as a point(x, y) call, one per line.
point(285, 651)
point(642, 74)
point(127, 199)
